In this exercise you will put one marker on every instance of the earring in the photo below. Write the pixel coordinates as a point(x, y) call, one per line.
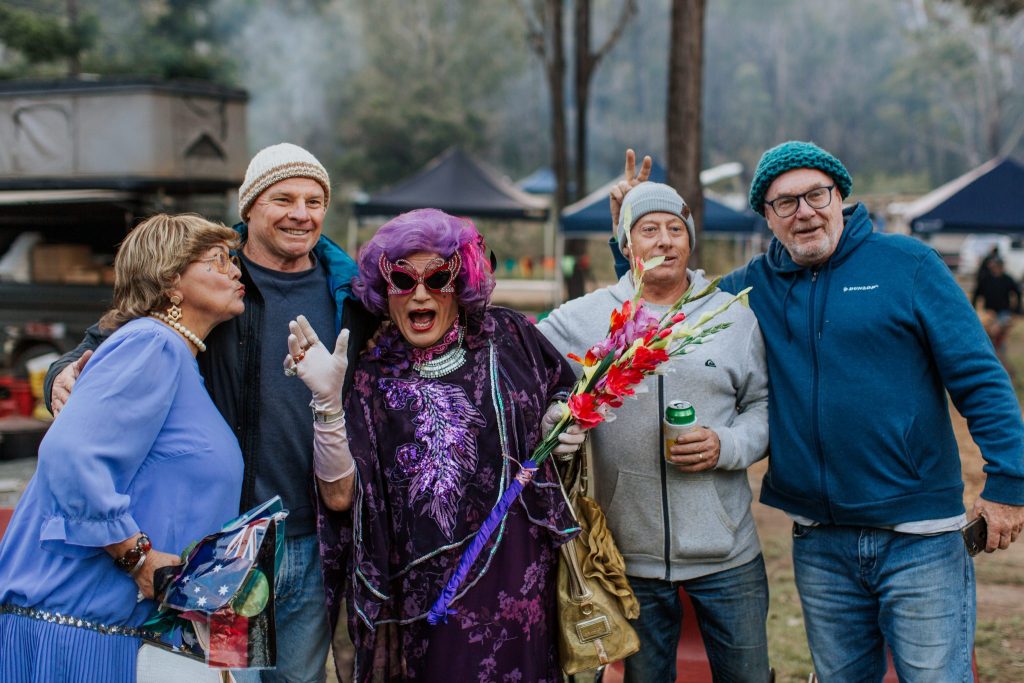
point(174, 311)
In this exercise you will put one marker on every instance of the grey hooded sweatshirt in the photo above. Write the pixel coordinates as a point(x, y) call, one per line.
point(671, 525)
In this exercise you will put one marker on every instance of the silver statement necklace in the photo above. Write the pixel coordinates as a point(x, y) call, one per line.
point(448, 362)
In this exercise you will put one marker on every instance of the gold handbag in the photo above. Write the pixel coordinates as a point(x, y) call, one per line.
point(595, 601)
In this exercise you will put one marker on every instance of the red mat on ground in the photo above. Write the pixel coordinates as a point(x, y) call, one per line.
point(5, 518)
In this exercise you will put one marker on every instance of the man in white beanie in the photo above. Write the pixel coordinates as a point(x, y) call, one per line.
point(288, 267)
point(682, 519)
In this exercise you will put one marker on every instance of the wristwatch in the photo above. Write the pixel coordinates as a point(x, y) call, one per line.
point(325, 417)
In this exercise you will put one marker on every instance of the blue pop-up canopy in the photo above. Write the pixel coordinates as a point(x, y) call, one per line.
point(591, 214)
point(989, 198)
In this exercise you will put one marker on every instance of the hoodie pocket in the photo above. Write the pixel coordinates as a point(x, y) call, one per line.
point(635, 517)
point(701, 527)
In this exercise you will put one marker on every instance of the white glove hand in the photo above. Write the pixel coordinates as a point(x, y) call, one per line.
point(552, 416)
point(320, 370)
point(332, 459)
point(570, 440)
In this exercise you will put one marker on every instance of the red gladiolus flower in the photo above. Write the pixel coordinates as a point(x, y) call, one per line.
point(647, 360)
point(583, 408)
point(620, 317)
point(678, 317)
point(620, 380)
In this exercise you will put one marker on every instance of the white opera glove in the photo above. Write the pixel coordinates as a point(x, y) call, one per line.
point(552, 416)
point(332, 459)
point(323, 372)
point(570, 440)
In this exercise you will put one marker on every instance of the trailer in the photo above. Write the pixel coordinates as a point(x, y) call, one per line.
point(81, 163)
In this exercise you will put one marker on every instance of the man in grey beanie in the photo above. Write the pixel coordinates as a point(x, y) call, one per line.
point(684, 521)
point(288, 267)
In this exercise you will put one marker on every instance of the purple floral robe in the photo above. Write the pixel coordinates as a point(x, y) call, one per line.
point(430, 467)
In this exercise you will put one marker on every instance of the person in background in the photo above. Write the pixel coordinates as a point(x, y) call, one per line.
point(1001, 296)
point(686, 520)
point(138, 465)
point(454, 395)
point(865, 335)
point(288, 268)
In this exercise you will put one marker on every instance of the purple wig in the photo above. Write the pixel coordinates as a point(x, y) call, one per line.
point(426, 230)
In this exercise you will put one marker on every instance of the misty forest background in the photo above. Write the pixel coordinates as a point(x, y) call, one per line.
point(909, 93)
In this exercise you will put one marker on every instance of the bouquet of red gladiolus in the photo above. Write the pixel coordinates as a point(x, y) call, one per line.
point(638, 343)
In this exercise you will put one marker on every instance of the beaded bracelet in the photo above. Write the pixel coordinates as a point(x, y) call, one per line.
point(135, 557)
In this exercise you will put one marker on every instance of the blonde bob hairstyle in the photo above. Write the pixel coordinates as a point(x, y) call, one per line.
point(152, 258)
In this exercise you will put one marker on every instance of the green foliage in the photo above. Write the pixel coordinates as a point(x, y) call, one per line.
point(432, 78)
point(161, 38)
point(985, 10)
point(42, 38)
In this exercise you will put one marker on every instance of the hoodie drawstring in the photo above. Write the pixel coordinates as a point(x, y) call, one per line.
point(785, 308)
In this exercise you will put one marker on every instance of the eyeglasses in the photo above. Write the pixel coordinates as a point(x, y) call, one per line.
point(786, 205)
point(222, 262)
point(437, 276)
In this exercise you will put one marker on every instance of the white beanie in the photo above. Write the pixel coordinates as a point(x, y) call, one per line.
point(274, 164)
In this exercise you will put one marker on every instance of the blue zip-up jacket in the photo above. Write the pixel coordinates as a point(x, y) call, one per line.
point(861, 351)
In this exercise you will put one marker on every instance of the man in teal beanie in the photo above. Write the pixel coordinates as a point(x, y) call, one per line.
point(865, 334)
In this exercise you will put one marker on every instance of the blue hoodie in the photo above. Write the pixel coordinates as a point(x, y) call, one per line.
point(861, 352)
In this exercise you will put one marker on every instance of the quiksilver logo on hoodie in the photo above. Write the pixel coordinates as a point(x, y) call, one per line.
point(860, 288)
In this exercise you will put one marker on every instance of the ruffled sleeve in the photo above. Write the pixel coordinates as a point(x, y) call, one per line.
point(97, 444)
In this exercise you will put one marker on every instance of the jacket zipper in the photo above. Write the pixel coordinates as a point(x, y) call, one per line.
point(664, 482)
point(815, 337)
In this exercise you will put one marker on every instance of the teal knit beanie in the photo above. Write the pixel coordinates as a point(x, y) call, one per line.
point(791, 155)
point(648, 197)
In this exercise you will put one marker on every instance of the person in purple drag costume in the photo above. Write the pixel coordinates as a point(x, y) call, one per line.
point(452, 397)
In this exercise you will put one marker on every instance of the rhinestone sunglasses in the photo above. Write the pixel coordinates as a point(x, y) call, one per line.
point(403, 277)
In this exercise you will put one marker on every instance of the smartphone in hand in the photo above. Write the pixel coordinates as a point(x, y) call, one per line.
point(975, 535)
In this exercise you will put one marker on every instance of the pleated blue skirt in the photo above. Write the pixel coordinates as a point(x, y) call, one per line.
point(35, 651)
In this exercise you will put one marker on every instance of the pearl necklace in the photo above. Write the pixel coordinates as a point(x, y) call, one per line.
point(182, 330)
point(448, 362)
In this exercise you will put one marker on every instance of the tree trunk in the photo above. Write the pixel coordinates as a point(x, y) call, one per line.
point(555, 65)
point(74, 60)
point(685, 96)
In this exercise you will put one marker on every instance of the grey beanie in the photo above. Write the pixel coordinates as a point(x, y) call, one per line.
point(650, 197)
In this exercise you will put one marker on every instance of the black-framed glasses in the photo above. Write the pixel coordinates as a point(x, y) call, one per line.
point(786, 205)
point(222, 262)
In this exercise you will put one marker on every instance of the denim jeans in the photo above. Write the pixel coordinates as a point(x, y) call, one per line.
point(731, 607)
point(303, 632)
point(862, 589)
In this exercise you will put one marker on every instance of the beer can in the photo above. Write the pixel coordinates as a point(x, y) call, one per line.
point(680, 417)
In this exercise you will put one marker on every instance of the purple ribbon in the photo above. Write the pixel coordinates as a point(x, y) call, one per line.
point(439, 612)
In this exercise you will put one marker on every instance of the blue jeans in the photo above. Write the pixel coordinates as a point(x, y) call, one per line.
point(731, 607)
point(303, 632)
point(862, 589)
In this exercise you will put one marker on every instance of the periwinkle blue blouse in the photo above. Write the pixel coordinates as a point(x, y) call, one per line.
point(139, 447)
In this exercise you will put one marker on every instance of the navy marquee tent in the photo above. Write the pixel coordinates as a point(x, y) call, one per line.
point(591, 215)
point(458, 184)
point(988, 199)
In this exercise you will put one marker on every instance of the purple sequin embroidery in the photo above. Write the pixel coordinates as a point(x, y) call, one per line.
point(444, 455)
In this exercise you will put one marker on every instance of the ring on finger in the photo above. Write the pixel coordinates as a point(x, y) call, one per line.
point(291, 371)
point(297, 358)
